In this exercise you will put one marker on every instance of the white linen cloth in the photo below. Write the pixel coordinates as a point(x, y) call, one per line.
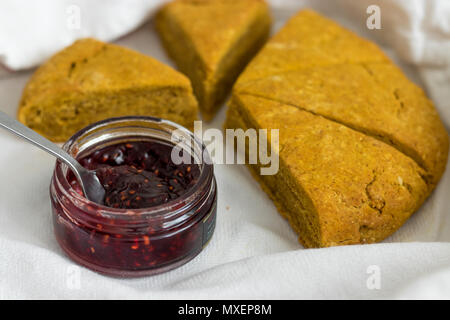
point(254, 253)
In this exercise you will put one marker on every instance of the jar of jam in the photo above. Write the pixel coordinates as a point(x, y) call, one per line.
point(157, 214)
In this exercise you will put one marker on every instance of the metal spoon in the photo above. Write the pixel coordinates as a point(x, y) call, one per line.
point(88, 180)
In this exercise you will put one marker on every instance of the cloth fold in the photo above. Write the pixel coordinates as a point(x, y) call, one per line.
point(31, 31)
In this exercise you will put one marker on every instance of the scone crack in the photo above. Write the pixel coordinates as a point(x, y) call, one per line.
point(385, 139)
point(240, 85)
point(85, 60)
point(72, 67)
point(395, 92)
point(400, 101)
point(375, 202)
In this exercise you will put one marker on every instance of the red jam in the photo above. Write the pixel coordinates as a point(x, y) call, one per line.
point(156, 215)
point(139, 175)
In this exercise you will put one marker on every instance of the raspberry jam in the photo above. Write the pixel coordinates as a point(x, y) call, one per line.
point(138, 175)
point(156, 215)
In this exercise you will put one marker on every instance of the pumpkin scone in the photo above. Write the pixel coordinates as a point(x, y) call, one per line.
point(302, 85)
point(376, 99)
point(211, 41)
point(335, 185)
point(90, 81)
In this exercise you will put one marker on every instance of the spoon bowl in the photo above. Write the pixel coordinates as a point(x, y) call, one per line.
point(92, 188)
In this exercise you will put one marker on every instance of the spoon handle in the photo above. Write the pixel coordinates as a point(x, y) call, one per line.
point(36, 139)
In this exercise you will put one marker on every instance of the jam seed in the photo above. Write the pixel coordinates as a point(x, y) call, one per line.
point(130, 175)
point(146, 240)
point(134, 247)
point(92, 250)
point(106, 238)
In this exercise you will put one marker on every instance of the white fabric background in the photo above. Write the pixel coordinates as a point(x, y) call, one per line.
point(254, 253)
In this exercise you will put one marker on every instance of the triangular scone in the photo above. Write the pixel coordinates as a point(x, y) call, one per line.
point(356, 134)
point(211, 41)
point(335, 185)
point(91, 81)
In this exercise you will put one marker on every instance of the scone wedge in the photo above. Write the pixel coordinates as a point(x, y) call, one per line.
point(335, 185)
point(362, 146)
point(211, 41)
point(90, 81)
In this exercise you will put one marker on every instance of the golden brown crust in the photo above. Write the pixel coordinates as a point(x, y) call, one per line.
point(211, 41)
point(376, 99)
point(92, 80)
point(319, 66)
point(344, 187)
point(361, 142)
point(308, 40)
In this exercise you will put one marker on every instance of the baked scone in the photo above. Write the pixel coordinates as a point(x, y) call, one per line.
point(90, 81)
point(335, 185)
point(211, 41)
point(361, 147)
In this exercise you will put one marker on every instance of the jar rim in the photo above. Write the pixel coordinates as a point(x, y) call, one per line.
point(169, 209)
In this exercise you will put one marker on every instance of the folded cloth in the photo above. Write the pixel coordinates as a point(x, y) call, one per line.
point(254, 253)
point(31, 31)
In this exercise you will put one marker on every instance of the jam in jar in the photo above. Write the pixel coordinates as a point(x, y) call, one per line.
point(156, 214)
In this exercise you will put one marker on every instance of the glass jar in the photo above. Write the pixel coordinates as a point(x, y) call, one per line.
point(134, 242)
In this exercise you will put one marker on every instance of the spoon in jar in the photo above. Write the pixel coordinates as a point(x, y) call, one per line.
point(88, 180)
